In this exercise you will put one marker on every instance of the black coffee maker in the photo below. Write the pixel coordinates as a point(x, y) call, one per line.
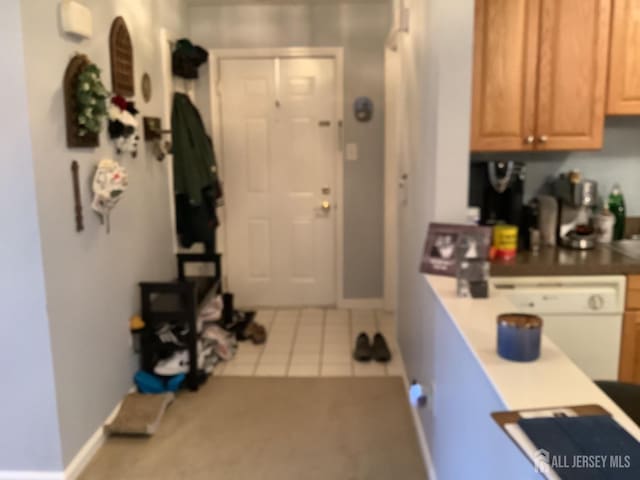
point(497, 188)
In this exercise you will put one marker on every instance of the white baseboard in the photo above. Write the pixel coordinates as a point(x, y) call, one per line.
point(6, 475)
point(361, 303)
point(90, 448)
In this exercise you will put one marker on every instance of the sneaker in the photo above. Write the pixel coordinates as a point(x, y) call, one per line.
point(380, 349)
point(362, 351)
point(177, 363)
point(166, 335)
point(181, 334)
point(165, 343)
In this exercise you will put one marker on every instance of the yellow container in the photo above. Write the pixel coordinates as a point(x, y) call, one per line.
point(505, 241)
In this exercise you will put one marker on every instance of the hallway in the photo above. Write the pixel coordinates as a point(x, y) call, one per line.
point(313, 342)
point(250, 421)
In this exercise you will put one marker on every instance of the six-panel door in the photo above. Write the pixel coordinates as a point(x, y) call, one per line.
point(279, 154)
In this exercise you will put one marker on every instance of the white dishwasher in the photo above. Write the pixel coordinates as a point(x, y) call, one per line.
point(582, 315)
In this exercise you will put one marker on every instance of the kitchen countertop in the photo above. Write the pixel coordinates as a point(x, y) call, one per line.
point(551, 381)
point(602, 260)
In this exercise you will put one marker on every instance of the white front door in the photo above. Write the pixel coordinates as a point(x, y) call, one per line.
point(279, 153)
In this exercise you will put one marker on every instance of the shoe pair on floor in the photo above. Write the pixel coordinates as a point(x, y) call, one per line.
point(366, 350)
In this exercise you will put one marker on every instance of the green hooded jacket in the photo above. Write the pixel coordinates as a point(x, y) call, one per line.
point(194, 163)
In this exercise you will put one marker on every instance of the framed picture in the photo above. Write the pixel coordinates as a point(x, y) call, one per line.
point(447, 244)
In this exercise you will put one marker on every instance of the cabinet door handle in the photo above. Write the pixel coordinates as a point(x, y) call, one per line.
point(543, 139)
point(529, 139)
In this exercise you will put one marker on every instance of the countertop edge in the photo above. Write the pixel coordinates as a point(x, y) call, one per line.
point(551, 381)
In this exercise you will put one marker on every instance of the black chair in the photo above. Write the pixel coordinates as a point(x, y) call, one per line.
point(626, 395)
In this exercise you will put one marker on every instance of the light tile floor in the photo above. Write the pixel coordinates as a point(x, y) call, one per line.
point(314, 342)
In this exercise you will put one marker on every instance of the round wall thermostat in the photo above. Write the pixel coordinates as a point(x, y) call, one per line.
point(363, 109)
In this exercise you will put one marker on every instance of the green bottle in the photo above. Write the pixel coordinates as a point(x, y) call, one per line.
point(616, 206)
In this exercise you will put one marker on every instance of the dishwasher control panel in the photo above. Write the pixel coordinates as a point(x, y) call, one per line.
point(570, 295)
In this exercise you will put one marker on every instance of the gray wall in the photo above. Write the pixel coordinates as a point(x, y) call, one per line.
point(29, 437)
point(617, 162)
point(361, 29)
point(91, 278)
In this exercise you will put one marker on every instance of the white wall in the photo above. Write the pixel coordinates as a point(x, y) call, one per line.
point(433, 104)
point(361, 29)
point(29, 437)
point(91, 277)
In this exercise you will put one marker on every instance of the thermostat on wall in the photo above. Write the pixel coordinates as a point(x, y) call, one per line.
point(76, 19)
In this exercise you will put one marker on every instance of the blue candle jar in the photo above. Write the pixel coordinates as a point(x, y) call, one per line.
point(519, 336)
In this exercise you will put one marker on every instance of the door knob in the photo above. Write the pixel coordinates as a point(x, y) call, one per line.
point(543, 139)
point(529, 139)
point(325, 206)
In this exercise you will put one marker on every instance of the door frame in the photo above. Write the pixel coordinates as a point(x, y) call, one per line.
point(335, 53)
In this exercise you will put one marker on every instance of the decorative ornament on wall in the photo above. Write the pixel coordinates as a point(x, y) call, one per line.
point(363, 109)
point(77, 196)
point(123, 126)
point(145, 86)
point(121, 50)
point(85, 102)
point(109, 184)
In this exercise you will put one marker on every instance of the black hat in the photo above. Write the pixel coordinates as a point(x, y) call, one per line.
point(187, 58)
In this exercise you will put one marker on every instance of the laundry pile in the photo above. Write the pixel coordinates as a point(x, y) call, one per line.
point(217, 341)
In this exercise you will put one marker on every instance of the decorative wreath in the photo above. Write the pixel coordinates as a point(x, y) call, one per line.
point(91, 99)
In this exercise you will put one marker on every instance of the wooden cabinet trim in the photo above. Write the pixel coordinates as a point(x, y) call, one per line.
point(624, 95)
point(633, 282)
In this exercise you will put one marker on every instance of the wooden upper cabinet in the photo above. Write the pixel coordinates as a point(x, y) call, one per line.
point(624, 64)
point(572, 78)
point(504, 72)
point(540, 71)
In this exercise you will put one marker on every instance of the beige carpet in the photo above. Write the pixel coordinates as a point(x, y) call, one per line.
point(274, 429)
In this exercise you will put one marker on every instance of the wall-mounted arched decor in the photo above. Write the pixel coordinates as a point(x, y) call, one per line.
point(77, 136)
point(121, 48)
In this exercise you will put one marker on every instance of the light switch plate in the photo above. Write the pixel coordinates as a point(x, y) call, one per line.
point(351, 152)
